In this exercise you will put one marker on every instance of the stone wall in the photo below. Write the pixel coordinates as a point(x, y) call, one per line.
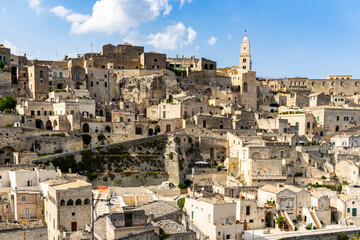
point(33, 233)
point(5, 80)
point(131, 179)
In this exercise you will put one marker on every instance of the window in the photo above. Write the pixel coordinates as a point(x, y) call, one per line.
point(348, 210)
point(337, 118)
point(41, 74)
point(27, 213)
point(23, 198)
point(308, 125)
point(72, 112)
point(346, 118)
point(197, 81)
point(38, 113)
point(60, 74)
point(354, 212)
point(290, 203)
point(209, 218)
point(155, 60)
point(244, 60)
point(73, 214)
point(29, 183)
point(55, 74)
point(247, 210)
point(330, 118)
point(281, 153)
point(77, 76)
point(92, 83)
point(227, 221)
point(317, 118)
point(105, 84)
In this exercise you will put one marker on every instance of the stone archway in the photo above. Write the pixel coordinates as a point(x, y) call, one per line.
point(39, 124)
point(48, 125)
point(107, 129)
point(86, 128)
point(168, 128)
point(138, 130)
point(6, 155)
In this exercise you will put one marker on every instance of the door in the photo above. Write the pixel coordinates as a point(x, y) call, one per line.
point(73, 226)
point(354, 212)
point(128, 219)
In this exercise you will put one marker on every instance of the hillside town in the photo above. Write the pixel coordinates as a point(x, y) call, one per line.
point(129, 144)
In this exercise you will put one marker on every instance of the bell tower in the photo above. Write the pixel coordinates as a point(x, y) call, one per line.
point(245, 56)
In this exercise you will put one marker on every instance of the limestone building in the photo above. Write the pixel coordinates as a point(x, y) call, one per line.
point(68, 208)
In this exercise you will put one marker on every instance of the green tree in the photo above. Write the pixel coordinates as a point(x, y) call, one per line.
point(342, 236)
point(181, 203)
point(9, 102)
point(280, 220)
point(2, 64)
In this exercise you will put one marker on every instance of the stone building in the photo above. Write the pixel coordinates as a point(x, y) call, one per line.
point(38, 81)
point(68, 207)
point(153, 60)
point(214, 217)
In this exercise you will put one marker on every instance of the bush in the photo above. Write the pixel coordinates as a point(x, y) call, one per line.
point(323, 177)
point(342, 236)
point(181, 203)
point(308, 227)
point(280, 220)
point(9, 102)
point(182, 186)
point(2, 64)
point(118, 181)
point(86, 138)
point(8, 125)
point(171, 156)
point(219, 168)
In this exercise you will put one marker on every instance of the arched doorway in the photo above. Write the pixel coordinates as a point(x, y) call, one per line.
point(55, 125)
point(157, 129)
point(60, 86)
point(39, 124)
point(107, 129)
point(6, 155)
point(48, 125)
point(269, 220)
point(138, 130)
point(337, 128)
point(86, 127)
point(168, 128)
point(151, 132)
point(13, 75)
point(245, 87)
point(101, 112)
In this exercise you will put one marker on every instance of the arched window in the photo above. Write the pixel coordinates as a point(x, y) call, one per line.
point(205, 66)
point(62, 203)
point(70, 202)
point(86, 201)
point(245, 87)
point(78, 202)
point(211, 66)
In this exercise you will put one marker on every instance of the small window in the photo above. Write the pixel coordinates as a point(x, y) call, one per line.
point(23, 198)
point(227, 221)
point(41, 74)
point(73, 214)
point(155, 60)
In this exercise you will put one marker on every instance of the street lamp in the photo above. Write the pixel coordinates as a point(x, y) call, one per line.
point(108, 204)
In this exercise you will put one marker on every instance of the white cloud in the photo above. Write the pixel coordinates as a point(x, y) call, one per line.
point(174, 37)
point(229, 36)
point(212, 40)
point(114, 15)
point(35, 5)
point(183, 1)
point(14, 49)
point(60, 11)
point(191, 34)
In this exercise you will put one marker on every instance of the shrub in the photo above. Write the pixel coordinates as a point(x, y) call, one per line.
point(182, 186)
point(323, 177)
point(118, 181)
point(219, 168)
point(171, 156)
point(280, 220)
point(86, 138)
point(9, 102)
point(342, 236)
point(181, 203)
point(8, 125)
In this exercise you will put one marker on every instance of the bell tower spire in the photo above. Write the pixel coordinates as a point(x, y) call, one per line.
point(245, 56)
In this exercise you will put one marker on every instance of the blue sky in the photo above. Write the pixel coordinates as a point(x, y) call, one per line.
point(310, 38)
